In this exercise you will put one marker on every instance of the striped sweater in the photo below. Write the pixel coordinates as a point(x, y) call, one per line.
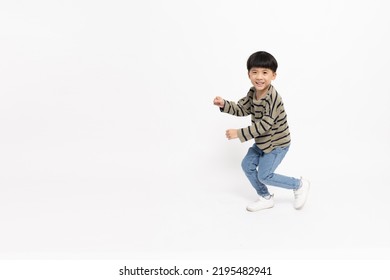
point(269, 126)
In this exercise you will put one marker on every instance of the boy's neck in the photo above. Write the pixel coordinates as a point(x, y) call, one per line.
point(261, 94)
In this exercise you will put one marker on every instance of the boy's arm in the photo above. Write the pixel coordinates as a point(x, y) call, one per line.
point(250, 132)
point(256, 129)
point(241, 109)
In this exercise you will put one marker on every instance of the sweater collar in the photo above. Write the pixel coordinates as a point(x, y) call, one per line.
point(266, 97)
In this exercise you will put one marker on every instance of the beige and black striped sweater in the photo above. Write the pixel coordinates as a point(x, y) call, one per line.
point(269, 126)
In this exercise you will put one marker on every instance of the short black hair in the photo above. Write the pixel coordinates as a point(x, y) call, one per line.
point(262, 59)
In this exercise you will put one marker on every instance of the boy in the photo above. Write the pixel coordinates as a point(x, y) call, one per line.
point(269, 129)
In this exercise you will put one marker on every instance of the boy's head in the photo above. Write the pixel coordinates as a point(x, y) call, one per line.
point(262, 60)
point(262, 68)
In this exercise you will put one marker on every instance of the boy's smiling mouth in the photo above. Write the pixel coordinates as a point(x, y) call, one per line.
point(260, 83)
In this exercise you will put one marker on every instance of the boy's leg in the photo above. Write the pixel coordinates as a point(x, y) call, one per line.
point(268, 164)
point(249, 165)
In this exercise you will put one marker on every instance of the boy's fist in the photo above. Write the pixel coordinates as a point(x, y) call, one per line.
point(231, 134)
point(218, 101)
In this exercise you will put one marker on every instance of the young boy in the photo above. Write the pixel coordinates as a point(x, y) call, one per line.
point(269, 129)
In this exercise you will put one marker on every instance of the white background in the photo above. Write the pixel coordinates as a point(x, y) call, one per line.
point(110, 146)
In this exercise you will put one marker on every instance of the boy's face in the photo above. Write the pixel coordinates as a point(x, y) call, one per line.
point(261, 78)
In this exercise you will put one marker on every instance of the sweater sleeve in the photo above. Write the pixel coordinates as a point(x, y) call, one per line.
point(240, 109)
point(256, 129)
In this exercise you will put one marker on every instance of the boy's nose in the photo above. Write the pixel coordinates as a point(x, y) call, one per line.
point(258, 76)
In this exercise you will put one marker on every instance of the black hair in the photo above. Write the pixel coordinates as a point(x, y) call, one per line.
point(262, 59)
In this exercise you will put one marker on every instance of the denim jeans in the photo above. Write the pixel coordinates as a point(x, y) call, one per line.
point(259, 167)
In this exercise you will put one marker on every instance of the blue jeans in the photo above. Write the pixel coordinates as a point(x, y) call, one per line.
point(259, 167)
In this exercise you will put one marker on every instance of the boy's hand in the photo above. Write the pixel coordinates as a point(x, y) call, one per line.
point(218, 101)
point(231, 134)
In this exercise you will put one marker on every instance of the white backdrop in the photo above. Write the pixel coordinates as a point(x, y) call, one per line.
point(111, 147)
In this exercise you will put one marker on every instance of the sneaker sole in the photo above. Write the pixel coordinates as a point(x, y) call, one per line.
point(255, 210)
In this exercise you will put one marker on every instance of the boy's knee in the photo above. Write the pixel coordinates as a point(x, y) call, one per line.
point(264, 177)
point(244, 165)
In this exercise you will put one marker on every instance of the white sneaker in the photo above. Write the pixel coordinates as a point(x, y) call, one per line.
point(301, 194)
point(261, 203)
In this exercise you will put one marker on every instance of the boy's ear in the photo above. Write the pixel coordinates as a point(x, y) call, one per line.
point(274, 76)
